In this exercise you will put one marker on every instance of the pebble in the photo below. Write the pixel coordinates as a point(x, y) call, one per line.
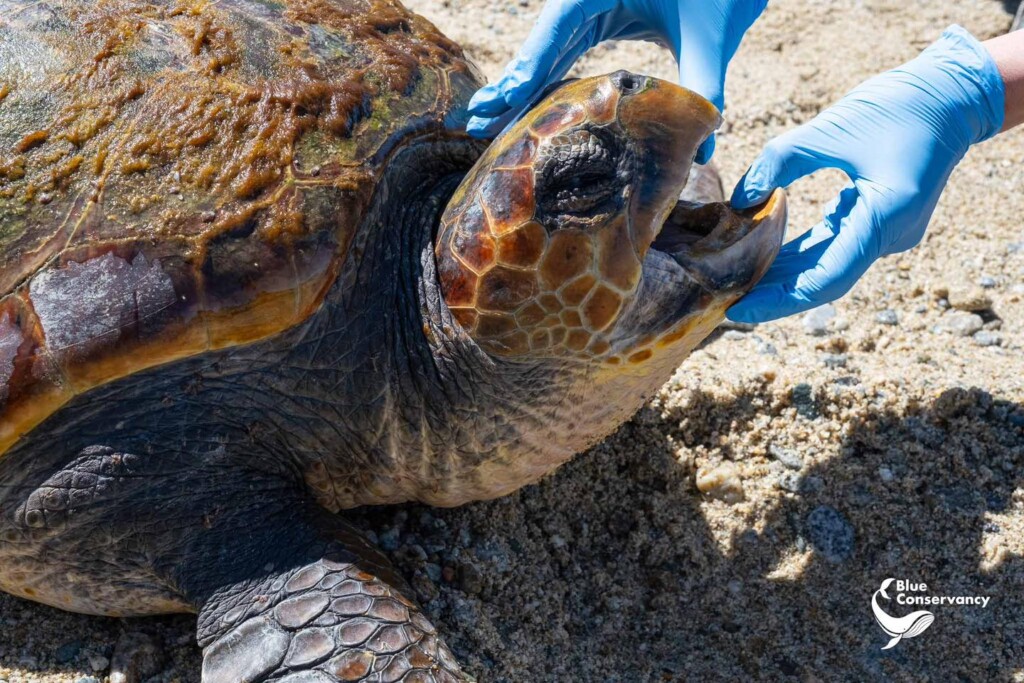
point(733, 335)
point(389, 539)
point(961, 324)
point(470, 581)
point(835, 360)
point(739, 327)
point(885, 474)
point(830, 533)
point(765, 348)
point(986, 338)
point(99, 663)
point(887, 317)
point(987, 281)
point(816, 320)
point(721, 482)
point(67, 652)
point(88, 679)
point(802, 396)
point(971, 299)
point(787, 456)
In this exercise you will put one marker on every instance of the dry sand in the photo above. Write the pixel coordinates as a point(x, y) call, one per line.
point(870, 451)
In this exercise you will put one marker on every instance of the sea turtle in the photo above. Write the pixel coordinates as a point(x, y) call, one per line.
point(254, 274)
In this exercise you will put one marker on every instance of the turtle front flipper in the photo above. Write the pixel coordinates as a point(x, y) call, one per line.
point(336, 613)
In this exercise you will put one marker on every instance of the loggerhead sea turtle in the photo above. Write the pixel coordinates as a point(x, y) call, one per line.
point(253, 275)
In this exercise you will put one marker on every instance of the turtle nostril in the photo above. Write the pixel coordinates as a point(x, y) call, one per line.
point(628, 83)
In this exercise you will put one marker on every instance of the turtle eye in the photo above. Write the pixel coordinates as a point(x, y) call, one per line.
point(580, 176)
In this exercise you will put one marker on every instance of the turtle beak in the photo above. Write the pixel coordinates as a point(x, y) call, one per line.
point(725, 251)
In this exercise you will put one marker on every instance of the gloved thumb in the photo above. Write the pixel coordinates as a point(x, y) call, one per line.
point(783, 161)
point(809, 273)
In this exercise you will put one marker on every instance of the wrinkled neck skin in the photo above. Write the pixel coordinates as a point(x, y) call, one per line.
point(427, 414)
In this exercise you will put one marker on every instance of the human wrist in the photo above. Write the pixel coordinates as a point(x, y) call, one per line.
point(1008, 53)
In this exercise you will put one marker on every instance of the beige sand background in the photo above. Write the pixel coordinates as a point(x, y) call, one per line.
point(865, 451)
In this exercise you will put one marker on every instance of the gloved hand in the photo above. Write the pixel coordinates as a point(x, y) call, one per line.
point(702, 34)
point(898, 137)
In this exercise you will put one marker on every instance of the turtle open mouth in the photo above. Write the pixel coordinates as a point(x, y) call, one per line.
point(721, 248)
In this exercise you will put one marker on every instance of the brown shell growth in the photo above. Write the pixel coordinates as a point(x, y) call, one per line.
point(178, 176)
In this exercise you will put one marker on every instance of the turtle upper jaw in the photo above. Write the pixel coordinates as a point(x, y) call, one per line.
point(725, 251)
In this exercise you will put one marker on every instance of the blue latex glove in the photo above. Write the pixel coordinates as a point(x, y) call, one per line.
point(702, 34)
point(898, 137)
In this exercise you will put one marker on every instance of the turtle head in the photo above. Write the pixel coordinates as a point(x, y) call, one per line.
point(567, 239)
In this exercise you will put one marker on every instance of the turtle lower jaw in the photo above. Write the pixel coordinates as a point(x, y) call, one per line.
point(725, 251)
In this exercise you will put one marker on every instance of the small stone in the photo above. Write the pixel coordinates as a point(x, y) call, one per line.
point(765, 348)
point(835, 360)
point(67, 652)
point(885, 474)
point(802, 396)
point(887, 317)
point(972, 299)
point(389, 539)
point(987, 282)
point(830, 533)
point(816, 320)
point(961, 324)
point(986, 338)
point(721, 483)
point(88, 679)
point(733, 335)
point(840, 324)
point(99, 663)
point(739, 327)
point(470, 581)
point(786, 456)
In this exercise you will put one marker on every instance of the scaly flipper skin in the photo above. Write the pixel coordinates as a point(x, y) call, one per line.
point(323, 622)
point(285, 591)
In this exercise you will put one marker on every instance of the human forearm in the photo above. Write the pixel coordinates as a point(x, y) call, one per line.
point(1008, 53)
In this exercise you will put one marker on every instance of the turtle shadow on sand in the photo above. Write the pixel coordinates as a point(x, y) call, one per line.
point(614, 569)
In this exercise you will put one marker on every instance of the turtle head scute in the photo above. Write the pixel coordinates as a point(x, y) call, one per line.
point(546, 247)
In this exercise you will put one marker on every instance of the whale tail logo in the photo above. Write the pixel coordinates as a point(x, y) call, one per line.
point(913, 624)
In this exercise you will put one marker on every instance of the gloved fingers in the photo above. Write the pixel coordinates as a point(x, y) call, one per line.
point(706, 150)
point(529, 71)
point(783, 161)
point(489, 127)
point(815, 276)
point(702, 68)
point(484, 126)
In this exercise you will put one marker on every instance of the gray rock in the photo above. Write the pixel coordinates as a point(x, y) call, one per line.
point(987, 281)
point(739, 327)
point(961, 324)
point(887, 317)
point(835, 360)
point(817, 319)
point(99, 663)
point(802, 396)
point(786, 456)
point(88, 679)
point(830, 534)
point(67, 652)
point(765, 348)
point(733, 335)
point(389, 539)
point(986, 338)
